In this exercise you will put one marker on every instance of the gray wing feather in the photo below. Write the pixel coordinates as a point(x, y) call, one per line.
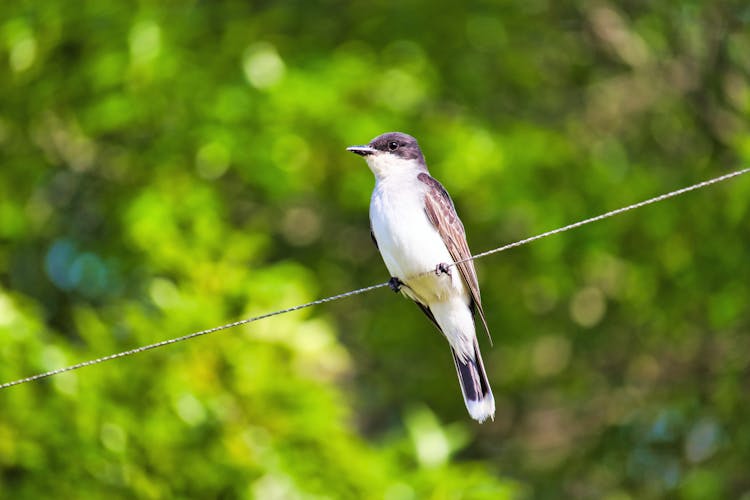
point(442, 214)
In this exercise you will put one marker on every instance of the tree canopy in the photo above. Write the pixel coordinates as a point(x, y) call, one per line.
point(167, 167)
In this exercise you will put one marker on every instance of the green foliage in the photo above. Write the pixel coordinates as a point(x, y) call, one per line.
point(166, 168)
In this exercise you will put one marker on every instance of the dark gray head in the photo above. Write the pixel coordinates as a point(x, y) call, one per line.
point(397, 144)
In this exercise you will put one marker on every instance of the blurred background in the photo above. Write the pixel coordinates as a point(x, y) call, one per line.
point(167, 167)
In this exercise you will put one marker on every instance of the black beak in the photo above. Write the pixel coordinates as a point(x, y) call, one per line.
point(361, 150)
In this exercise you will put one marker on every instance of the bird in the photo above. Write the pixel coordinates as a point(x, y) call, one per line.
point(416, 229)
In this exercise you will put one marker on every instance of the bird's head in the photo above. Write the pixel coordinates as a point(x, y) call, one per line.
point(391, 153)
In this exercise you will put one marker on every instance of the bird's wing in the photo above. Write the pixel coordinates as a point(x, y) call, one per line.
point(442, 214)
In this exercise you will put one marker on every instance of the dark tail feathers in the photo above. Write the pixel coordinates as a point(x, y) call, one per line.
point(475, 386)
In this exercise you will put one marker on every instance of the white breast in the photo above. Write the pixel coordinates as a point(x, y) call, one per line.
point(408, 242)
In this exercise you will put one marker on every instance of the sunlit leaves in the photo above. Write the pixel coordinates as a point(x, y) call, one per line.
point(166, 169)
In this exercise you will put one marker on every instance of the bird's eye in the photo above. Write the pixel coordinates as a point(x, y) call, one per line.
point(393, 145)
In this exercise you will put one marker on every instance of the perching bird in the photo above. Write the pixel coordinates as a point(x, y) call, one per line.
point(419, 235)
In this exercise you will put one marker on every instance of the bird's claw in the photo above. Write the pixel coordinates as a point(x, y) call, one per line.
point(395, 284)
point(443, 268)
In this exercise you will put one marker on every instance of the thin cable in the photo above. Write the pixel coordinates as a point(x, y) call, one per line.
point(187, 337)
point(605, 215)
point(365, 289)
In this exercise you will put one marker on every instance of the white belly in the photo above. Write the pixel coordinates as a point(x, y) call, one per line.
point(409, 244)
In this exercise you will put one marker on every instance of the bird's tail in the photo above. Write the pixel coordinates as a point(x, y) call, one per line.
point(475, 386)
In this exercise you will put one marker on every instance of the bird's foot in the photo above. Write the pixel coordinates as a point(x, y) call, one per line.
point(443, 268)
point(395, 284)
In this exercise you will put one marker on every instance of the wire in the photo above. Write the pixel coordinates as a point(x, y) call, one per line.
point(367, 288)
point(188, 336)
point(605, 215)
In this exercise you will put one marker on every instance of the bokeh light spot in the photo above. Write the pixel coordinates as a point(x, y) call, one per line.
point(8, 313)
point(23, 53)
point(702, 441)
point(164, 293)
point(89, 274)
point(588, 306)
point(551, 355)
point(301, 226)
point(431, 444)
point(145, 42)
point(212, 160)
point(190, 409)
point(113, 437)
point(263, 66)
point(58, 262)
